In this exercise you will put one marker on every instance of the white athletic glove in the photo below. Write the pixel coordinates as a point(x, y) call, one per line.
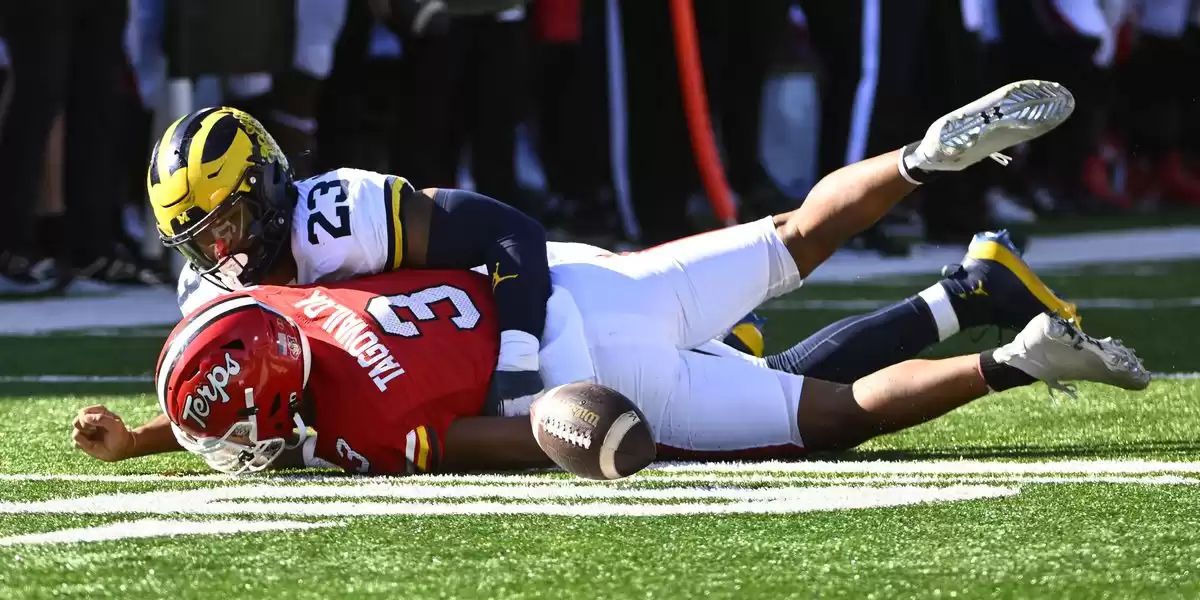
point(516, 382)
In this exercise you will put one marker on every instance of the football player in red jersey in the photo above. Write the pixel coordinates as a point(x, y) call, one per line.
point(380, 367)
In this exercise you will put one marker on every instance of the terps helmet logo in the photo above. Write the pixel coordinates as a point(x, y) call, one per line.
point(287, 345)
point(198, 406)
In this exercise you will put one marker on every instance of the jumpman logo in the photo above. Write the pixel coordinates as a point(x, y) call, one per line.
point(497, 279)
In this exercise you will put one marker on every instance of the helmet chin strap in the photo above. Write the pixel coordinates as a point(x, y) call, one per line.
point(229, 271)
point(302, 428)
point(250, 405)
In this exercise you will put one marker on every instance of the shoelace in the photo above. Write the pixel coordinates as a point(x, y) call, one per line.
point(1001, 158)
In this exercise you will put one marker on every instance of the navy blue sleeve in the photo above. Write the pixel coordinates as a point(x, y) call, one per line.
point(468, 229)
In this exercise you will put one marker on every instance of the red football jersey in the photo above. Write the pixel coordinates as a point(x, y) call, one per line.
point(395, 358)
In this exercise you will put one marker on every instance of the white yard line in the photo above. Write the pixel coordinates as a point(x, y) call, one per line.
point(76, 379)
point(147, 478)
point(347, 501)
point(681, 489)
point(796, 302)
point(528, 481)
point(148, 528)
point(1192, 375)
point(1081, 471)
point(1090, 467)
point(919, 479)
point(206, 502)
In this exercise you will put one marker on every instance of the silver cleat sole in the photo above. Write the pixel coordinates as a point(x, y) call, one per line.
point(1054, 350)
point(1015, 113)
point(1124, 368)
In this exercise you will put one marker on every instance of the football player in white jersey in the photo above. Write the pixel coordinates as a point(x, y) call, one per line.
point(223, 196)
point(636, 322)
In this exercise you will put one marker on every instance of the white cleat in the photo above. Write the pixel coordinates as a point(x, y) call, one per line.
point(1015, 113)
point(1053, 350)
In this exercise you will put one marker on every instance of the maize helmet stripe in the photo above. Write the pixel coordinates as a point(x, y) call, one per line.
point(197, 149)
point(181, 137)
point(168, 158)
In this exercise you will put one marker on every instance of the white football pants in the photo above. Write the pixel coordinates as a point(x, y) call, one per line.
point(649, 319)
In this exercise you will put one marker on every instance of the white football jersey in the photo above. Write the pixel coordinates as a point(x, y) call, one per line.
point(347, 223)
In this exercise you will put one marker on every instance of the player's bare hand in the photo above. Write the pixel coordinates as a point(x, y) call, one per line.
point(102, 434)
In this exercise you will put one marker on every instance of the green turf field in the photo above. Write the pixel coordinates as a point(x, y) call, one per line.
point(1018, 495)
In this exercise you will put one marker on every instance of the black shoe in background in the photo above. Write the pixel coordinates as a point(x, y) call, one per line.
point(19, 277)
point(122, 268)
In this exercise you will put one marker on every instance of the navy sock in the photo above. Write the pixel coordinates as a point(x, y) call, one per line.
point(860, 345)
point(969, 308)
point(999, 376)
point(909, 169)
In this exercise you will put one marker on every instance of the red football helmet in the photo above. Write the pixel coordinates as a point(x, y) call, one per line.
point(231, 378)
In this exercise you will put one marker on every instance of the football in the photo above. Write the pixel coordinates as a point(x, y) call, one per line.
point(592, 431)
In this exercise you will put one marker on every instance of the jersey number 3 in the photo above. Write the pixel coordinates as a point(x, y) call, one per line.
point(328, 193)
point(419, 303)
point(345, 451)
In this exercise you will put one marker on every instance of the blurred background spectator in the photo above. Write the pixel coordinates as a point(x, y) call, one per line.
point(738, 41)
point(572, 109)
point(469, 83)
point(67, 64)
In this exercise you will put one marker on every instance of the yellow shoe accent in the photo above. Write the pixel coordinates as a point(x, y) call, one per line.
point(999, 253)
point(751, 337)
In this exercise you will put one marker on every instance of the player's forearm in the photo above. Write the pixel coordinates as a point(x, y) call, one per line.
point(468, 229)
point(155, 437)
point(492, 444)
